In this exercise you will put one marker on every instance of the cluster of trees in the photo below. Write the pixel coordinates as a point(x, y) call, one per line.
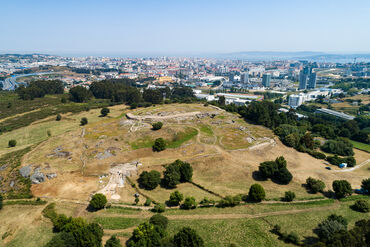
point(38, 89)
point(333, 232)
point(79, 94)
point(175, 173)
point(74, 232)
point(340, 146)
point(153, 233)
point(276, 171)
point(336, 160)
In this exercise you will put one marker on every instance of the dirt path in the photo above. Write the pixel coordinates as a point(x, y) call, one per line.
point(151, 117)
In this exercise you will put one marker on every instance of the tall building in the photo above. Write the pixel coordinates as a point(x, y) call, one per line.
point(296, 100)
point(303, 78)
point(312, 81)
point(244, 78)
point(266, 78)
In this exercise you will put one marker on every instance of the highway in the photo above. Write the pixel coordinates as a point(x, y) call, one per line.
point(11, 83)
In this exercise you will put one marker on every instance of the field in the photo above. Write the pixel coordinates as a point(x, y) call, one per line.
point(217, 226)
point(361, 146)
point(223, 149)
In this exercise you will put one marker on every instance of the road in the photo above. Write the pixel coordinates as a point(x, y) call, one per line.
point(11, 82)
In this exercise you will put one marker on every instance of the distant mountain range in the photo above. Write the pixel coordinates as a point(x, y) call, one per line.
point(303, 55)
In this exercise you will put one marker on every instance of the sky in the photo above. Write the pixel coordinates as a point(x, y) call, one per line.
point(183, 26)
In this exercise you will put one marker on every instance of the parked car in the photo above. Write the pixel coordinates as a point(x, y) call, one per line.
point(328, 168)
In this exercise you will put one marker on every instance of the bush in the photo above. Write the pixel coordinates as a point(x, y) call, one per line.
point(229, 201)
point(159, 220)
point(207, 202)
point(187, 237)
point(331, 225)
point(104, 112)
point(189, 203)
point(159, 208)
point(315, 185)
point(58, 118)
point(283, 176)
point(147, 202)
point(113, 242)
point(365, 185)
point(159, 145)
point(12, 143)
point(175, 198)
point(146, 234)
point(276, 170)
point(342, 188)
point(267, 169)
point(256, 193)
point(361, 206)
point(98, 201)
point(157, 125)
point(83, 121)
point(292, 238)
point(149, 180)
point(289, 196)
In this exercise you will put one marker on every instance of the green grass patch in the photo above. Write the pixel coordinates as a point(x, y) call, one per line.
point(361, 146)
point(182, 137)
point(25, 202)
point(122, 210)
point(206, 129)
point(114, 223)
point(354, 198)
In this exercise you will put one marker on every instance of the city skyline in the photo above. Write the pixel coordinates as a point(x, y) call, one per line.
point(183, 28)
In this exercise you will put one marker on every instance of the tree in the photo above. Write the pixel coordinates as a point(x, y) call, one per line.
point(315, 185)
point(342, 188)
point(256, 193)
point(186, 171)
point(62, 239)
point(83, 121)
point(104, 112)
point(159, 208)
point(149, 180)
point(331, 225)
point(79, 94)
point(159, 220)
point(361, 206)
point(267, 169)
point(159, 145)
point(283, 176)
point(58, 118)
point(175, 198)
point(145, 234)
point(365, 185)
point(289, 196)
point(113, 242)
point(307, 141)
point(98, 201)
point(157, 125)
point(1, 201)
point(189, 203)
point(171, 176)
point(188, 237)
point(12, 143)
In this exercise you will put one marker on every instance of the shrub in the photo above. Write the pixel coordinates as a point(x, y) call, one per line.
point(48, 132)
point(276, 170)
point(159, 145)
point(113, 241)
point(63, 100)
point(83, 121)
point(361, 206)
point(187, 237)
point(159, 208)
point(207, 202)
point(289, 196)
point(175, 198)
point(267, 169)
point(145, 234)
point(189, 203)
point(159, 220)
point(58, 118)
point(229, 201)
point(283, 176)
point(157, 125)
point(12, 143)
point(104, 111)
point(147, 202)
point(315, 185)
point(149, 180)
point(292, 238)
point(256, 193)
point(98, 201)
point(342, 188)
point(365, 185)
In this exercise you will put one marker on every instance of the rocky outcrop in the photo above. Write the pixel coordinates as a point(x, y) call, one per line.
point(51, 175)
point(37, 177)
point(25, 171)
